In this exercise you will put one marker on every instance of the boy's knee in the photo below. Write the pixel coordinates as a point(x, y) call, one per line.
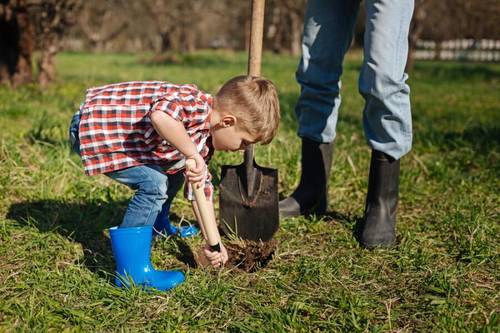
point(155, 186)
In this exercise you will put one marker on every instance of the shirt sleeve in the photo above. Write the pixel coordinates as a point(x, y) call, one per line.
point(208, 189)
point(184, 105)
point(172, 107)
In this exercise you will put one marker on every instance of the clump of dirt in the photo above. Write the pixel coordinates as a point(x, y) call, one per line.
point(244, 255)
point(249, 256)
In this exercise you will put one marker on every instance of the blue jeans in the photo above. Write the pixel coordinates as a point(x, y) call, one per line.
point(328, 31)
point(154, 189)
point(154, 192)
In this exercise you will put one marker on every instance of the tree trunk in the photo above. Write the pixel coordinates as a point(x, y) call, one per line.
point(416, 29)
point(165, 42)
point(16, 43)
point(189, 41)
point(175, 40)
point(46, 66)
point(296, 34)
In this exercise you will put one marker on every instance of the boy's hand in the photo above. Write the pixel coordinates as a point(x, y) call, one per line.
point(197, 174)
point(217, 259)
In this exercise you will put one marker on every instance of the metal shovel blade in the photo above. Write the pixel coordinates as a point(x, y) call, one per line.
point(249, 214)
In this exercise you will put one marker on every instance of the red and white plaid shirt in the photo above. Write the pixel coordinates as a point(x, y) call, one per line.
point(116, 132)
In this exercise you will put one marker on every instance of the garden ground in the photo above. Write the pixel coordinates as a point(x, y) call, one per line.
point(56, 267)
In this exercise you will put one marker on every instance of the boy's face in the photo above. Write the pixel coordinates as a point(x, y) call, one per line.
point(226, 135)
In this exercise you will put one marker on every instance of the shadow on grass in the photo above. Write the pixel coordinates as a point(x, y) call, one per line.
point(86, 223)
point(185, 253)
point(348, 221)
point(81, 222)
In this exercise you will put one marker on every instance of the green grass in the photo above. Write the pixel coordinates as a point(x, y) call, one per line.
point(56, 269)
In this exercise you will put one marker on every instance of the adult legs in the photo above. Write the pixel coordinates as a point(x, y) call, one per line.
point(328, 29)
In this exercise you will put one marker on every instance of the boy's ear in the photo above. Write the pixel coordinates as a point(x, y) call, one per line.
point(228, 120)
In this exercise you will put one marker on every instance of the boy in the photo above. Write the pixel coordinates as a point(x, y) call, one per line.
point(141, 133)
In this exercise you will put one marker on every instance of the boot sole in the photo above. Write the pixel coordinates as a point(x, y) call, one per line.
point(378, 244)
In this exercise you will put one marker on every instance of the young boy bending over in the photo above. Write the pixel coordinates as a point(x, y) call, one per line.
point(141, 133)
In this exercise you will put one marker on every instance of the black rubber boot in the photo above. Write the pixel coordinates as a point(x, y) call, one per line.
point(311, 196)
point(379, 223)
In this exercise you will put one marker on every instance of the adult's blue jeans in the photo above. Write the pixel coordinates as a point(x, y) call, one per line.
point(154, 189)
point(328, 31)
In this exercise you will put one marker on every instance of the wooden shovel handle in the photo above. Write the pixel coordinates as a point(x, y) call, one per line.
point(209, 224)
point(256, 34)
point(254, 65)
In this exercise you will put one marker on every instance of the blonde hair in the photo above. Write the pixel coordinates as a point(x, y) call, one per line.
point(254, 102)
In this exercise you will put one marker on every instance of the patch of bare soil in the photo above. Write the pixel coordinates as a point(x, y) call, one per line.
point(250, 256)
point(244, 255)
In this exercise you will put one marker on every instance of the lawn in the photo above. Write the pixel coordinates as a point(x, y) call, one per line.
point(56, 267)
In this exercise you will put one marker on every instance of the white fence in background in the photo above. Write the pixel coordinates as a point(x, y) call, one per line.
point(483, 50)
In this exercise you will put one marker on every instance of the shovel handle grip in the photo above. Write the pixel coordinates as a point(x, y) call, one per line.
point(215, 248)
point(207, 218)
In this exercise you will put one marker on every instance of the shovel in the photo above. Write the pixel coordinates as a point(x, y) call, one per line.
point(248, 192)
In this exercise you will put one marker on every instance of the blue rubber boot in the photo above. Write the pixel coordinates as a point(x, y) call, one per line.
point(188, 231)
point(163, 225)
point(132, 250)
